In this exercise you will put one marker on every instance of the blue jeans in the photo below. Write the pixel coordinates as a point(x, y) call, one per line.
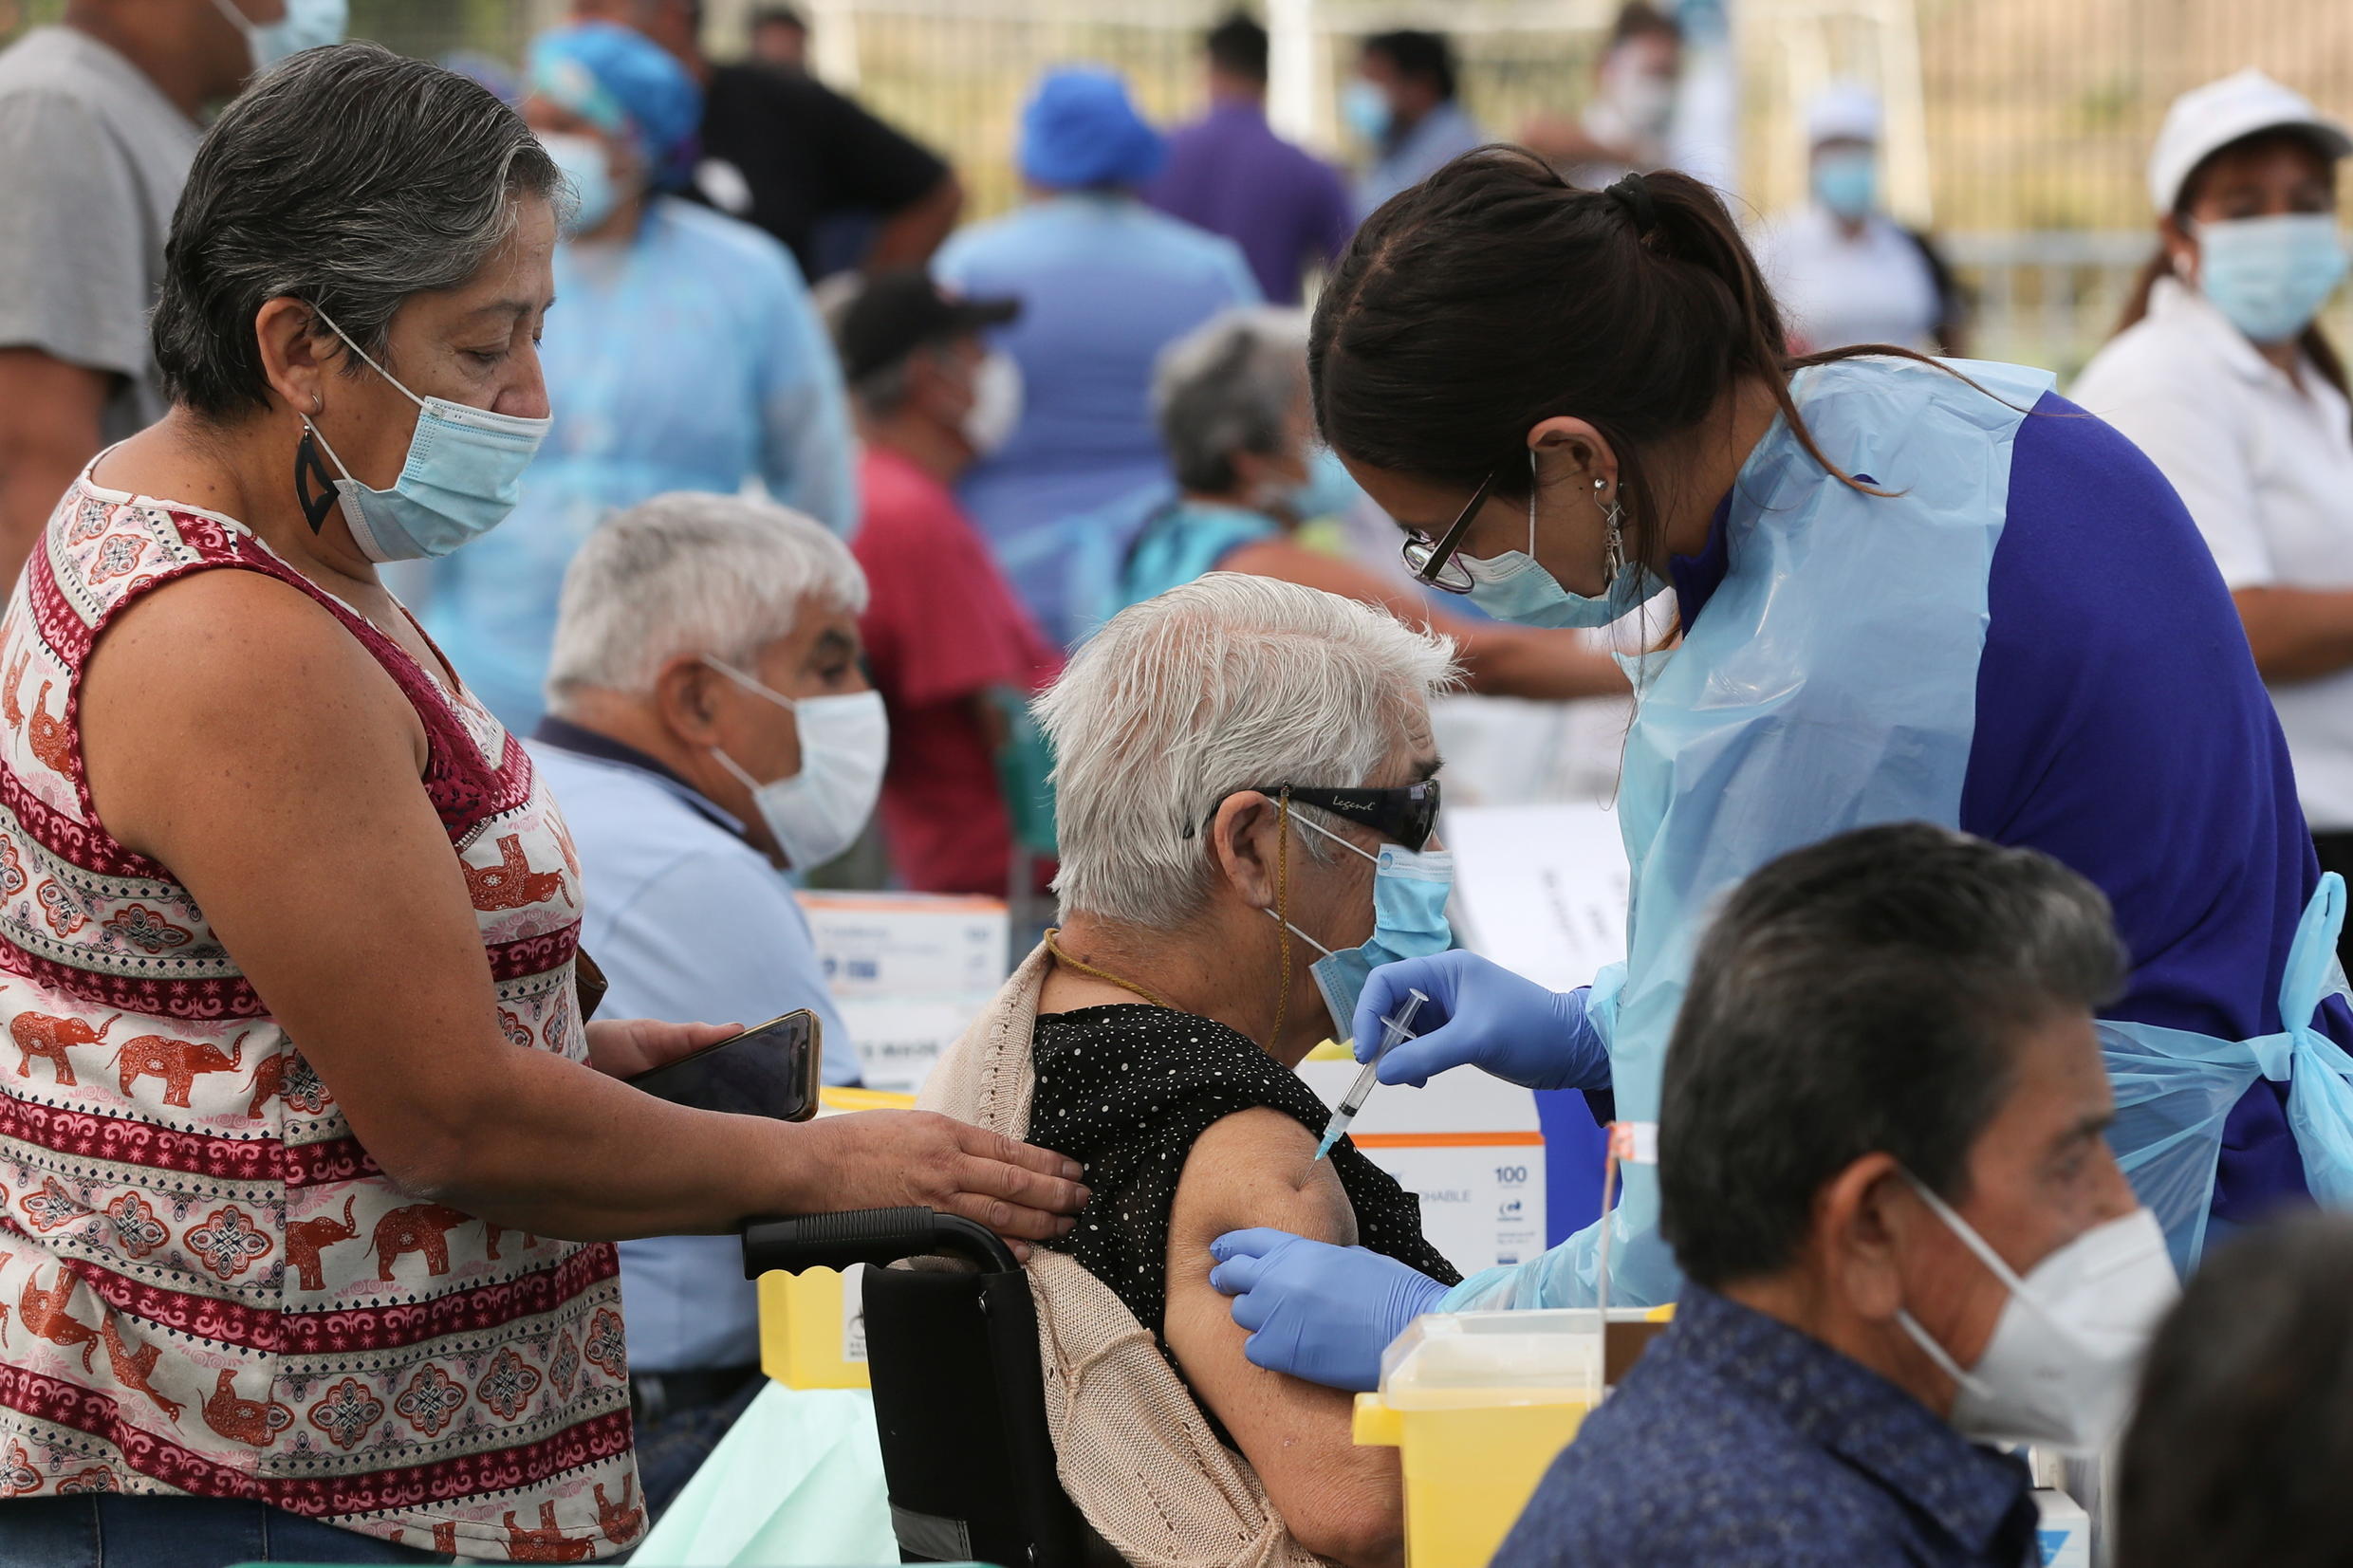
point(101, 1530)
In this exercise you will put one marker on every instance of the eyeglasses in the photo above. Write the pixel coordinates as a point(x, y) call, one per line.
point(1435, 563)
point(1406, 815)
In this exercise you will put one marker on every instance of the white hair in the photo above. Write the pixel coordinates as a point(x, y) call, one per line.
point(691, 573)
point(1229, 386)
point(1228, 683)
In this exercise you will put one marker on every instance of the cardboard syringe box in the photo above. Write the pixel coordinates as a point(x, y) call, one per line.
point(1468, 1144)
point(907, 971)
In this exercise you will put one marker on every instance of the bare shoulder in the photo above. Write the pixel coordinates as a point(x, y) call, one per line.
point(226, 634)
point(1254, 1168)
point(234, 653)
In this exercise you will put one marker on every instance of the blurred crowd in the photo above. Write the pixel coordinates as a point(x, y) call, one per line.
point(812, 485)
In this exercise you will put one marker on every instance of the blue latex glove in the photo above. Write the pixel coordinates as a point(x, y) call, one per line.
point(1482, 1015)
point(1317, 1311)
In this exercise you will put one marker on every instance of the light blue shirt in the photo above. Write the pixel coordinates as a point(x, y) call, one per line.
point(1436, 139)
point(1105, 284)
point(690, 360)
point(688, 922)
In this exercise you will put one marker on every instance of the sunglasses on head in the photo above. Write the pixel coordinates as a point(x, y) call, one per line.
point(1405, 814)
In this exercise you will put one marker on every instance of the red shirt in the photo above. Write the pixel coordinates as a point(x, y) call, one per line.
point(941, 627)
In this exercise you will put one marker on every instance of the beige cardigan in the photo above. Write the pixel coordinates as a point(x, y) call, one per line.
point(1134, 1452)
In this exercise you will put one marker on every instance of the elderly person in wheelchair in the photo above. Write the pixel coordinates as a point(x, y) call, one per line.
point(1239, 760)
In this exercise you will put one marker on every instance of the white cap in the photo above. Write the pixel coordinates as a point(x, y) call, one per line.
point(1844, 111)
point(2206, 120)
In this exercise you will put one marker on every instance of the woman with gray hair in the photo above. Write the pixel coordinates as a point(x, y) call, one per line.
point(307, 1132)
point(1232, 401)
point(1245, 781)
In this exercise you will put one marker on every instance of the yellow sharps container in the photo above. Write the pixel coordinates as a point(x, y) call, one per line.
point(1478, 1403)
point(812, 1327)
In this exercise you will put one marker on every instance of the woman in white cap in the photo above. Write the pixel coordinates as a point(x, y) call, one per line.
point(2222, 375)
point(1844, 270)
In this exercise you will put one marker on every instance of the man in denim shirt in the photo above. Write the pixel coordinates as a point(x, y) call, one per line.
point(1887, 1042)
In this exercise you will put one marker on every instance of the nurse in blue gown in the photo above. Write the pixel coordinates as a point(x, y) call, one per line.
point(1897, 589)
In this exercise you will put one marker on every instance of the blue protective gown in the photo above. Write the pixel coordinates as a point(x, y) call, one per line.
point(689, 360)
point(2076, 684)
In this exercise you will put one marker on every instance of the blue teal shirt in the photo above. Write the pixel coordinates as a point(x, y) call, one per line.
point(1739, 1442)
point(689, 360)
point(1105, 283)
point(689, 923)
point(1182, 541)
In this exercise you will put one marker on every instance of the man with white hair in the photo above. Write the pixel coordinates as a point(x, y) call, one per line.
point(1244, 793)
point(709, 725)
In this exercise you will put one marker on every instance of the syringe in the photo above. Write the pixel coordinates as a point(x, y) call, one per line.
point(1391, 1032)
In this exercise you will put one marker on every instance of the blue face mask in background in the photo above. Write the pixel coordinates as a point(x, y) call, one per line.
point(1366, 109)
point(2270, 275)
point(1327, 490)
point(462, 477)
point(307, 25)
point(587, 167)
point(1848, 183)
point(1410, 890)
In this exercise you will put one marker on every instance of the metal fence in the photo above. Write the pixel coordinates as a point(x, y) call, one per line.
point(2019, 128)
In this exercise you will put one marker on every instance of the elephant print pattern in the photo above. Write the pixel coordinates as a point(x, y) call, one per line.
point(205, 1286)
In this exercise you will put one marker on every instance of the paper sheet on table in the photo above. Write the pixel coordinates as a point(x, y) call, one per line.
point(798, 1481)
point(1540, 888)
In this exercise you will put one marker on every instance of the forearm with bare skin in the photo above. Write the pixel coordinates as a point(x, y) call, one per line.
point(2297, 634)
point(49, 426)
point(236, 734)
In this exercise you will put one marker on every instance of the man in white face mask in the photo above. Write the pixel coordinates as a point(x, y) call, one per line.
point(952, 648)
point(1883, 1172)
point(709, 724)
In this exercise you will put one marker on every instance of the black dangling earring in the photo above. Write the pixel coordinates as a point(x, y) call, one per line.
point(318, 505)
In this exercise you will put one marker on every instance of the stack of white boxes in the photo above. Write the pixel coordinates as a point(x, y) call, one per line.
point(908, 972)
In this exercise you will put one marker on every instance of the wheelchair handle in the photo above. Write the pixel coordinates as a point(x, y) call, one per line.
point(876, 1236)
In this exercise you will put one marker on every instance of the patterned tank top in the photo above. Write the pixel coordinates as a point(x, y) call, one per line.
point(214, 1290)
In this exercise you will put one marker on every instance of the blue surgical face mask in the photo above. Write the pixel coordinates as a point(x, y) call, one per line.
point(1366, 109)
point(307, 25)
point(1514, 587)
point(463, 475)
point(1327, 490)
point(1848, 183)
point(1410, 890)
point(587, 167)
point(2271, 275)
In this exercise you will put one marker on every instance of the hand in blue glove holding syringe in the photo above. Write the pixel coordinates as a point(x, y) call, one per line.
point(1325, 1313)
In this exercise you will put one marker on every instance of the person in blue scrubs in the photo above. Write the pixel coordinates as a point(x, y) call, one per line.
point(686, 356)
point(1104, 284)
point(1903, 589)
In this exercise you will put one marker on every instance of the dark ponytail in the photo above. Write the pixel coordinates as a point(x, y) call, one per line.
point(1495, 295)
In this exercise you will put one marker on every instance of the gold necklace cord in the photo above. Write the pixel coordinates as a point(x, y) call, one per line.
point(1282, 910)
point(1054, 947)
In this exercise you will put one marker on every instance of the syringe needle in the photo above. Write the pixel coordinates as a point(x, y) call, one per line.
point(1393, 1031)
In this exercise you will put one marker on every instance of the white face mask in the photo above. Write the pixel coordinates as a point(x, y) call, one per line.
point(2065, 1352)
point(819, 812)
point(996, 404)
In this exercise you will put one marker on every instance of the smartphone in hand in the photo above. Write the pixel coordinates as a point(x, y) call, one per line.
point(768, 1071)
